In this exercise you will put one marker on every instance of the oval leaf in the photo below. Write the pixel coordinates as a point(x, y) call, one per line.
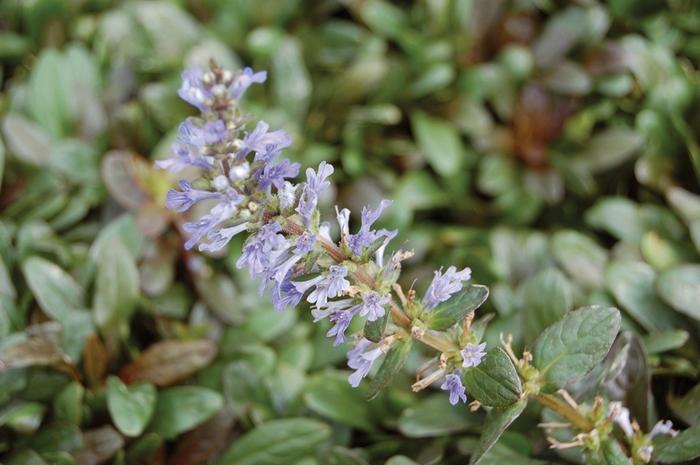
point(496, 423)
point(571, 347)
point(494, 382)
point(167, 362)
point(457, 307)
point(131, 407)
point(680, 288)
point(181, 408)
point(278, 442)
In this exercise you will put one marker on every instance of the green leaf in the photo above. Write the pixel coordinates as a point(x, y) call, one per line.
point(571, 347)
point(68, 403)
point(611, 453)
point(457, 307)
point(632, 284)
point(22, 417)
point(435, 417)
point(680, 288)
point(496, 423)
point(687, 407)
point(390, 367)
point(608, 149)
point(439, 141)
point(547, 296)
point(684, 447)
point(332, 397)
point(181, 408)
point(494, 382)
point(117, 286)
point(277, 442)
point(50, 93)
point(664, 341)
point(618, 216)
point(580, 256)
point(55, 290)
point(291, 82)
point(374, 330)
point(130, 407)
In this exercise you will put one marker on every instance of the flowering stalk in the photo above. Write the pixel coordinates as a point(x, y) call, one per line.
point(246, 188)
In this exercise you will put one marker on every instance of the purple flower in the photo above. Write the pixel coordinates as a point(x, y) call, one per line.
point(444, 285)
point(373, 305)
point(245, 80)
point(453, 383)
point(218, 238)
point(183, 199)
point(365, 236)
point(327, 286)
point(316, 182)
point(663, 427)
point(289, 256)
point(472, 354)
point(266, 145)
point(274, 175)
point(361, 359)
point(184, 156)
point(261, 250)
point(191, 132)
point(285, 294)
point(193, 90)
point(221, 212)
point(341, 320)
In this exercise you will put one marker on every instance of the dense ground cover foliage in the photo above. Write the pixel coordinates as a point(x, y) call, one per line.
point(551, 147)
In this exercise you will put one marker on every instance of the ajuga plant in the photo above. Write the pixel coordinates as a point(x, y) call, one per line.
point(247, 188)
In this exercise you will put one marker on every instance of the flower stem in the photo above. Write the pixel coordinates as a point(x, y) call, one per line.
point(565, 410)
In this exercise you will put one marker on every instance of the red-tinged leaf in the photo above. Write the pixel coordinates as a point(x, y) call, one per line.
point(94, 360)
point(34, 351)
point(204, 442)
point(152, 219)
point(99, 445)
point(538, 119)
point(167, 362)
point(120, 172)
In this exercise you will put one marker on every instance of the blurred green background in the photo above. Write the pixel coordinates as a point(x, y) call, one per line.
point(552, 146)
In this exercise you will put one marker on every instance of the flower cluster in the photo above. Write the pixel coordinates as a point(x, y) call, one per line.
point(243, 186)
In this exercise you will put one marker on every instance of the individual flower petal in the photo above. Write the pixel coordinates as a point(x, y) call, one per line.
point(245, 80)
point(193, 90)
point(341, 320)
point(453, 384)
point(218, 238)
point(473, 354)
point(316, 182)
point(266, 145)
point(366, 236)
point(184, 156)
point(361, 359)
point(181, 200)
point(373, 305)
point(663, 427)
point(444, 285)
point(275, 175)
point(621, 416)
